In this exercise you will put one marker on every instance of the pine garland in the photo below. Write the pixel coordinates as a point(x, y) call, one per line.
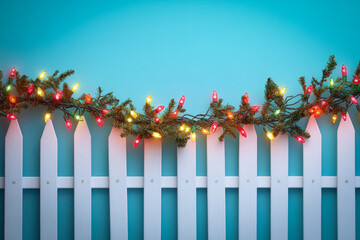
point(278, 115)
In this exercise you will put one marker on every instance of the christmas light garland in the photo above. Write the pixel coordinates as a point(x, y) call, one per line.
point(279, 114)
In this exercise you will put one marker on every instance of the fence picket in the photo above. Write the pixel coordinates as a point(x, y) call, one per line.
point(186, 184)
point(248, 184)
point(152, 189)
point(118, 185)
point(82, 181)
point(279, 187)
point(48, 183)
point(346, 180)
point(216, 186)
point(312, 182)
point(13, 182)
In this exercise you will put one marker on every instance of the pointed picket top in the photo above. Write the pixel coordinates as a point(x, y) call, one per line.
point(117, 185)
point(82, 129)
point(346, 127)
point(312, 182)
point(115, 135)
point(313, 128)
point(49, 132)
point(14, 132)
point(248, 184)
point(346, 179)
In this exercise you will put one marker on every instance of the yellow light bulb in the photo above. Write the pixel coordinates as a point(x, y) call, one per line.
point(40, 92)
point(193, 136)
point(182, 127)
point(156, 135)
point(75, 87)
point(129, 120)
point(270, 135)
point(283, 90)
point(334, 118)
point(148, 99)
point(47, 117)
point(187, 129)
point(42, 75)
point(133, 113)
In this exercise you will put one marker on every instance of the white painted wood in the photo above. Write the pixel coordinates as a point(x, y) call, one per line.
point(279, 187)
point(13, 182)
point(312, 182)
point(117, 185)
point(152, 189)
point(171, 182)
point(48, 183)
point(82, 181)
point(346, 180)
point(186, 191)
point(216, 186)
point(248, 184)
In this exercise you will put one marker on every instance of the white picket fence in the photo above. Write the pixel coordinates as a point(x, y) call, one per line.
point(186, 182)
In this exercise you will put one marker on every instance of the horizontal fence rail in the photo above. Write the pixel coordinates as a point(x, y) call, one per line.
point(186, 183)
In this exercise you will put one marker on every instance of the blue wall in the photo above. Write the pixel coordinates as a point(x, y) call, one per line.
point(167, 49)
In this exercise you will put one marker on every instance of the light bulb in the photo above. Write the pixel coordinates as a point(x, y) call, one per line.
point(12, 98)
point(214, 96)
point(99, 121)
point(40, 92)
point(12, 73)
point(270, 135)
point(148, 99)
point(68, 124)
point(300, 139)
point(42, 75)
point(242, 131)
point(75, 87)
point(156, 135)
point(137, 140)
point(182, 101)
point(47, 117)
point(214, 126)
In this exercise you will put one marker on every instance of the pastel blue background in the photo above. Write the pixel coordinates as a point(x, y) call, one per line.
point(167, 49)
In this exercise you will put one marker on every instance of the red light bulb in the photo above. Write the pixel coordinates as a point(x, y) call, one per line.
point(300, 139)
point(157, 120)
point(68, 125)
point(182, 101)
point(343, 70)
point(58, 95)
point(159, 109)
point(324, 102)
point(343, 116)
point(104, 112)
point(255, 108)
point(12, 73)
point(241, 131)
point(137, 140)
point(246, 98)
point(318, 113)
point(11, 116)
point(356, 80)
point(309, 90)
point(214, 126)
point(354, 100)
point(99, 121)
point(175, 113)
point(30, 89)
point(214, 96)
